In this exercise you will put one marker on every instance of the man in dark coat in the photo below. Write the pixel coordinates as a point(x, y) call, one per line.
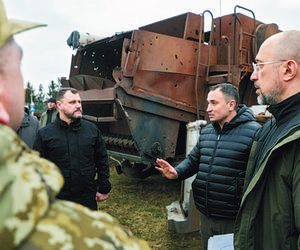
point(28, 128)
point(77, 148)
point(219, 159)
point(269, 215)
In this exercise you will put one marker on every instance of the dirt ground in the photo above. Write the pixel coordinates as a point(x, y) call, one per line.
point(140, 205)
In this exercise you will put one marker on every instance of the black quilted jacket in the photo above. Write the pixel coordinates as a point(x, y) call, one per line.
point(220, 160)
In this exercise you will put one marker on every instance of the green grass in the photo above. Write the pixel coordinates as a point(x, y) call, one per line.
point(140, 205)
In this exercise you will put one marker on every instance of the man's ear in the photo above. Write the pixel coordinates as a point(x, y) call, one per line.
point(290, 70)
point(58, 105)
point(232, 105)
point(4, 117)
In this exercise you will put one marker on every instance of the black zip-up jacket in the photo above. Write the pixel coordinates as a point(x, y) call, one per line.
point(79, 151)
point(220, 160)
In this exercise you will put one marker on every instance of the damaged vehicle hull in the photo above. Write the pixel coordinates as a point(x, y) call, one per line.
point(143, 86)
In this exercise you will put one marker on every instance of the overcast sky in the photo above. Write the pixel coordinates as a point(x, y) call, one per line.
point(47, 55)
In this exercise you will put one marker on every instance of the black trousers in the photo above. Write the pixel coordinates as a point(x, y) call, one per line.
point(85, 199)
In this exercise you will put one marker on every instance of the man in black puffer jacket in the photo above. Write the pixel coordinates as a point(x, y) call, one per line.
point(219, 159)
point(78, 149)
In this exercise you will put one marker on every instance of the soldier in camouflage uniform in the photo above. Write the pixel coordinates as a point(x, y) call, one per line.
point(31, 217)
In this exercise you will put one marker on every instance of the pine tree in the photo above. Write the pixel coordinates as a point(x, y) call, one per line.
point(53, 88)
point(40, 104)
point(29, 94)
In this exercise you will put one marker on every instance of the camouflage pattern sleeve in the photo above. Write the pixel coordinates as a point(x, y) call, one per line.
point(72, 226)
point(31, 217)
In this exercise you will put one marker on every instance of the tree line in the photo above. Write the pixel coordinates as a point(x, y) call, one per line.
point(39, 96)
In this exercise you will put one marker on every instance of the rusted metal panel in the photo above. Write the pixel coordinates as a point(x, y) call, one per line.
point(155, 52)
point(240, 32)
point(107, 94)
point(193, 26)
point(178, 88)
point(155, 106)
point(185, 26)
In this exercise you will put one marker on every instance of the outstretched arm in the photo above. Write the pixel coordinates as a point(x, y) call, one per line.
point(166, 169)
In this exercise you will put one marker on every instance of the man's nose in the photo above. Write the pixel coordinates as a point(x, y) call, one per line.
point(253, 76)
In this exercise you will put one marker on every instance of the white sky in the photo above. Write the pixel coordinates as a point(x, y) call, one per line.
point(47, 55)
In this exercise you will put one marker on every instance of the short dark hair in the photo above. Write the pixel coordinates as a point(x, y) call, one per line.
point(51, 99)
point(229, 91)
point(61, 93)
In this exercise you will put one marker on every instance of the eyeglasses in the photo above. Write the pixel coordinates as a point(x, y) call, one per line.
point(257, 65)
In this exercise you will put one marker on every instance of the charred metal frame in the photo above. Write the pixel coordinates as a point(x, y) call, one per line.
point(143, 86)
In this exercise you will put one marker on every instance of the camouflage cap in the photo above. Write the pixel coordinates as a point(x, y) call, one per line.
point(10, 27)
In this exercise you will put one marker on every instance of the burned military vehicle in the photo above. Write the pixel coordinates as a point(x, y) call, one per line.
point(143, 86)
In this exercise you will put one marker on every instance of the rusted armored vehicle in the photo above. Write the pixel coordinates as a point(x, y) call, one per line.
point(143, 86)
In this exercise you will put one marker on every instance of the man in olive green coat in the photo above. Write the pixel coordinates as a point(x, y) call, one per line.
point(50, 114)
point(31, 217)
point(269, 214)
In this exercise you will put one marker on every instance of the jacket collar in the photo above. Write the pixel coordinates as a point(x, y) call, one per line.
point(244, 114)
point(286, 109)
point(75, 125)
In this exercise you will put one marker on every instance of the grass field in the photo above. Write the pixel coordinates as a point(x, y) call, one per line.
point(140, 205)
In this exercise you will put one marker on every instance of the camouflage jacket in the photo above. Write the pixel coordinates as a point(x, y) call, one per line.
point(31, 217)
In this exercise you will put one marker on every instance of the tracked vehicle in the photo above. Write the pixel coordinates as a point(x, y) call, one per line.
point(143, 86)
